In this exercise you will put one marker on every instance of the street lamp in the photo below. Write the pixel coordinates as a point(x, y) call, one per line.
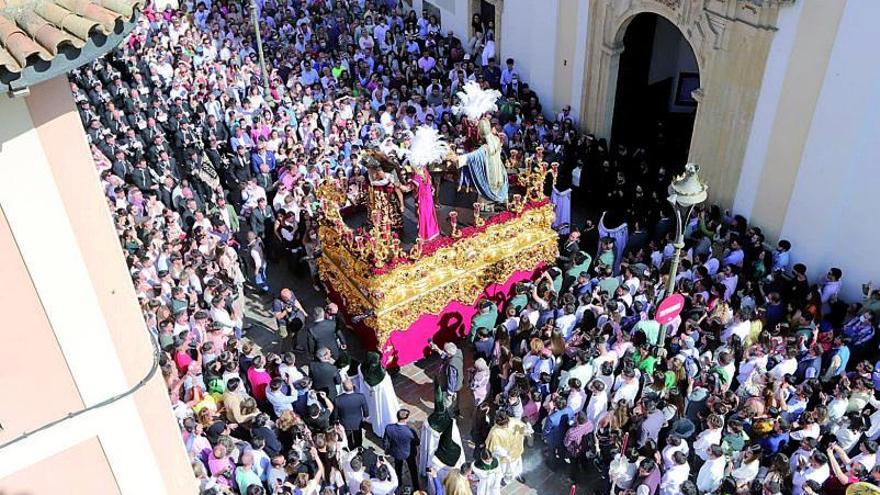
point(685, 192)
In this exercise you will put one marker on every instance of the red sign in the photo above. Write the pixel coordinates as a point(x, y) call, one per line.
point(669, 309)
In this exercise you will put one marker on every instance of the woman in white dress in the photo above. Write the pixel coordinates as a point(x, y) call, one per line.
point(376, 386)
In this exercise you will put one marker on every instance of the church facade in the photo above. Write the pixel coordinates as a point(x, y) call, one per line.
point(782, 96)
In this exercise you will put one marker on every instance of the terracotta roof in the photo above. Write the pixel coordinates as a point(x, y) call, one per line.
point(34, 32)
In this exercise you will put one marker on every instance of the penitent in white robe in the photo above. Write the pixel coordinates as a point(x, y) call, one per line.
point(382, 403)
point(428, 442)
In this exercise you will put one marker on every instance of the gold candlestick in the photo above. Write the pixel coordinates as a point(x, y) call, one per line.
point(453, 222)
point(478, 220)
point(554, 170)
point(517, 203)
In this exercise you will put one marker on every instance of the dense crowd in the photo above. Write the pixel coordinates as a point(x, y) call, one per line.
point(765, 384)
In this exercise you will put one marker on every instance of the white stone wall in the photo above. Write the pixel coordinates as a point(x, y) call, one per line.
point(833, 217)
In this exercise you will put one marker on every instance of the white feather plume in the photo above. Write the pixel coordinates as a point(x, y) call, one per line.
point(475, 101)
point(427, 147)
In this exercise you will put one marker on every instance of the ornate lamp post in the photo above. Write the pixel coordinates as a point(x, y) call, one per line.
point(685, 192)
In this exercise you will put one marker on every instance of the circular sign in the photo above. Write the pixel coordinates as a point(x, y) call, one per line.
point(669, 309)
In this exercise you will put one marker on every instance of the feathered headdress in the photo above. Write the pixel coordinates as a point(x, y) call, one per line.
point(474, 101)
point(427, 147)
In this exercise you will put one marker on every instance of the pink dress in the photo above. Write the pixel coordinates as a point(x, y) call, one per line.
point(428, 228)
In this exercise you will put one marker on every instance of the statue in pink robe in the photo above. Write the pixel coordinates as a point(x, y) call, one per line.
point(424, 196)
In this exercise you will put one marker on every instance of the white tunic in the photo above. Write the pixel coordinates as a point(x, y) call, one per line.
point(381, 401)
point(429, 441)
point(489, 481)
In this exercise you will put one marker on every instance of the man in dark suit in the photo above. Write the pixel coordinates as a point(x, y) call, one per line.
point(120, 167)
point(351, 411)
point(401, 443)
point(262, 218)
point(325, 376)
point(323, 334)
point(141, 177)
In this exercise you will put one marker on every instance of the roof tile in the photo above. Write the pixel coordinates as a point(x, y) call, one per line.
point(42, 28)
point(67, 20)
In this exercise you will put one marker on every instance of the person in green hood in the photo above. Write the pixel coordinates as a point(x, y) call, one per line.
point(378, 389)
point(438, 421)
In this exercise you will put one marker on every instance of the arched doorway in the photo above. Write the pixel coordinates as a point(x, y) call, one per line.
point(653, 106)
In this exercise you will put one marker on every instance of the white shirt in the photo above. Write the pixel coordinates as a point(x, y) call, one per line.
point(354, 478)
point(566, 325)
point(280, 402)
point(847, 438)
point(867, 460)
point(670, 483)
point(799, 478)
point(711, 475)
point(597, 406)
point(740, 329)
point(627, 392)
point(746, 472)
point(576, 400)
point(746, 368)
point(704, 440)
point(584, 373)
point(786, 367)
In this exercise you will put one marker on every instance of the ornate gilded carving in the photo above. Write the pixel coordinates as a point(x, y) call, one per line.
point(458, 272)
point(371, 272)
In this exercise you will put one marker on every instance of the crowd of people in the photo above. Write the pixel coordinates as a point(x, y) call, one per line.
point(765, 384)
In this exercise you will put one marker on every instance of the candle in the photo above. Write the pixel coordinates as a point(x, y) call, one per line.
point(453, 221)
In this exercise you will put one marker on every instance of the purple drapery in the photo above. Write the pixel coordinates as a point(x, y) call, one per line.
point(620, 234)
point(562, 204)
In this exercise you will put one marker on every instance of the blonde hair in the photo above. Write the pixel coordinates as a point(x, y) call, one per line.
point(536, 345)
point(287, 420)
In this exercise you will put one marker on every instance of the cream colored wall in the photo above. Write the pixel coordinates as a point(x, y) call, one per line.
point(530, 37)
point(772, 86)
point(575, 98)
point(454, 15)
point(807, 65)
point(831, 217)
point(566, 39)
point(54, 210)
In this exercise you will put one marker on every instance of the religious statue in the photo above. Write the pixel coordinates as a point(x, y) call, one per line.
point(426, 148)
point(482, 168)
point(385, 196)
